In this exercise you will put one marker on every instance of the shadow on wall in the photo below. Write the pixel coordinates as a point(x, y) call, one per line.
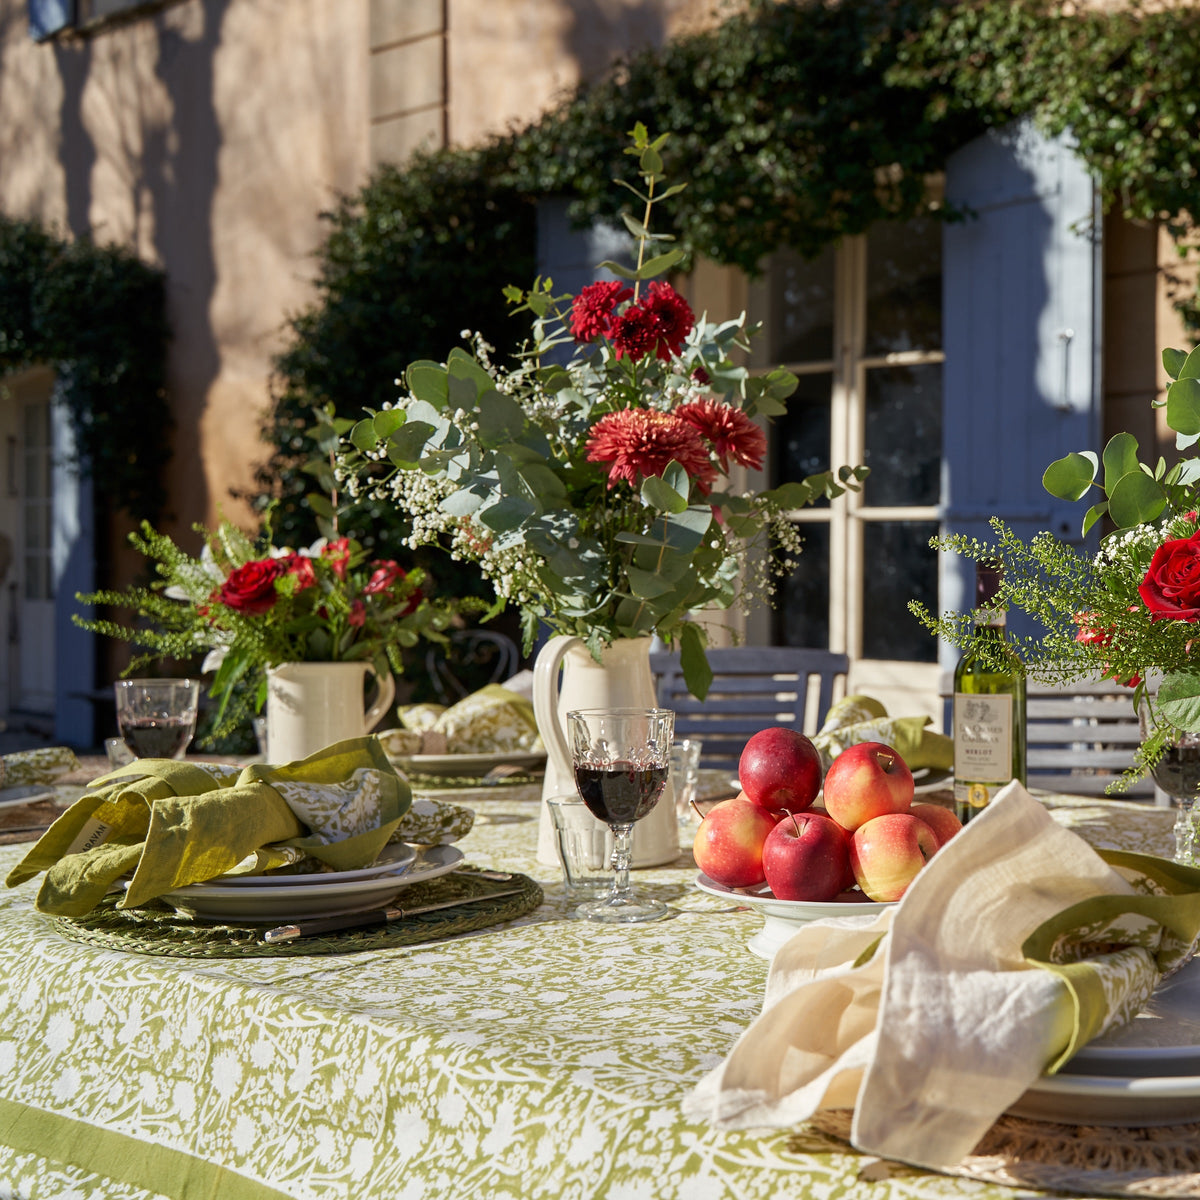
point(594, 37)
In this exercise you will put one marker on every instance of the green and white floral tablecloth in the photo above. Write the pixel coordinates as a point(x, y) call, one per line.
point(547, 1058)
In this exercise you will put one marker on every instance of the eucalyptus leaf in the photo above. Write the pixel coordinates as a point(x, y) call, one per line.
point(407, 444)
point(510, 512)
point(428, 381)
point(659, 263)
point(1173, 361)
point(661, 496)
point(1191, 365)
point(501, 419)
point(1093, 515)
point(1183, 405)
point(618, 269)
point(1120, 457)
point(1135, 499)
point(693, 662)
point(647, 584)
point(363, 436)
point(1070, 477)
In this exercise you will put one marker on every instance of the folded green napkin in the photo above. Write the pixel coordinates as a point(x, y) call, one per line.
point(863, 719)
point(43, 765)
point(494, 719)
point(1016, 945)
point(172, 823)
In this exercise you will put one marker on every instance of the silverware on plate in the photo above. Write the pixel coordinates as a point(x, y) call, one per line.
point(369, 920)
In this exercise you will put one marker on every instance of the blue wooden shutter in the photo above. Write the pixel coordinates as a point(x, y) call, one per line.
point(1021, 330)
point(49, 16)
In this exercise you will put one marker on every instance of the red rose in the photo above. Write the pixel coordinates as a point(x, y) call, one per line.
point(1171, 588)
point(385, 574)
point(338, 554)
point(250, 588)
point(302, 567)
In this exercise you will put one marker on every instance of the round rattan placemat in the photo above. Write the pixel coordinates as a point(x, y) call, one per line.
point(158, 929)
point(1160, 1161)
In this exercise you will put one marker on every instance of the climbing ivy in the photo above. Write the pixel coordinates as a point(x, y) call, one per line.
point(98, 315)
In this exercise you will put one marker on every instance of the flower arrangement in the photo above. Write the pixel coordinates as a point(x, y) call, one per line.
point(593, 481)
point(1131, 611)
point(249, 606)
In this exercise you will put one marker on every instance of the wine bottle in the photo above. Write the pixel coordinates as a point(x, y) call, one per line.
point(989, 705)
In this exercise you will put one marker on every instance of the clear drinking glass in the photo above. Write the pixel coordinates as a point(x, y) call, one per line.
point(1178, 774)
point(621, 757)
point(685, 779)
point(157, 717)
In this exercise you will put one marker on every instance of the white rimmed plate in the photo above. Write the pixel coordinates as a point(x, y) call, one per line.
point(1145, 1073)
point(392, 860)
point(931, 779)
point(781, 918)
point(274, 904)
point(469, 766)
point(24, 794)
point(1112, 1100)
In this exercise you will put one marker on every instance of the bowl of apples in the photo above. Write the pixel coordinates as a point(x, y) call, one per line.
point(797, 847)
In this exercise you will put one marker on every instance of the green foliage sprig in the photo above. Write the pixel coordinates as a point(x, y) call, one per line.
point(97, 314)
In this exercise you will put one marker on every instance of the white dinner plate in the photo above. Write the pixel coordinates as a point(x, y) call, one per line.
point(274, 904)
point(470, 766)
point(1112, 1100)
point(1145, 1073)
point(392, 860)
point(932, 779)
point(781, 918)
point(24, 794)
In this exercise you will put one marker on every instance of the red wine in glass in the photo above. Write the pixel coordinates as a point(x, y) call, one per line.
point(157, 737)
point(621, 792)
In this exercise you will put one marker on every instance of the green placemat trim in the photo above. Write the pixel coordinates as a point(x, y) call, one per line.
point(158, 929)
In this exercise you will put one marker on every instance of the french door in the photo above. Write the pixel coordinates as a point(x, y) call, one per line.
point(862, 328)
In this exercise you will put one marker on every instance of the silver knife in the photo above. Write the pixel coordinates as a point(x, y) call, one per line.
point(368, 920)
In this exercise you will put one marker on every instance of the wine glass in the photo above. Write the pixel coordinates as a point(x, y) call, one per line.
point(1177, 772)
point(157, 717)
point(621, 757)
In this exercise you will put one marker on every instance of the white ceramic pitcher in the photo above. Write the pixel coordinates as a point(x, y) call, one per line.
point(621, 679)
point(310, 705)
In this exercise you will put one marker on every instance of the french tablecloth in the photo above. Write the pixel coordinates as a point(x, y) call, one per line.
point(548, 1058)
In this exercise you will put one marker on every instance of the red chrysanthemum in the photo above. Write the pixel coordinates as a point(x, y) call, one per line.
point(638, 442)
point(729, 430)
point(635, 333)
point(673, 315)
point(592, 310)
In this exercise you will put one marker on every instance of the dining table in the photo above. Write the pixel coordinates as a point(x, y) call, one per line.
point(544, 1056)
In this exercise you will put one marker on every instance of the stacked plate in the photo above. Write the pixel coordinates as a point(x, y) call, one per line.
point(272, 899)
point(1145, 1073)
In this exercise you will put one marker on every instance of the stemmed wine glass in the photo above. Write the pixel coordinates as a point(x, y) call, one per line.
point(621, 757)
point(1177, 772)
point(157, 717)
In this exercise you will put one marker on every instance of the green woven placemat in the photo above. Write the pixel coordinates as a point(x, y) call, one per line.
point(159, 929)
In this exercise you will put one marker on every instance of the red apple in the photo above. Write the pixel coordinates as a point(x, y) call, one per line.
point(941, 820)
point(806, 857)
point(780, 770)
point(887, 852)
point(868, 779)
point(729, 843)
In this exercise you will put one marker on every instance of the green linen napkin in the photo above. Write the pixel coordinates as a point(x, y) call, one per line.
point(172, 823)
point(492, 720)
point(43, 765)
point(1016, 945)
point(864, 719)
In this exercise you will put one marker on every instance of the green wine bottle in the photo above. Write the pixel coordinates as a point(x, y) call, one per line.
point(989, 705)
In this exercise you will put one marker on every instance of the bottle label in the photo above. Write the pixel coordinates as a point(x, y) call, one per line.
point(983, 739)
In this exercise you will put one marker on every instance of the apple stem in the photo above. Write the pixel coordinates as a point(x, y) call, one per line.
point(696, 808)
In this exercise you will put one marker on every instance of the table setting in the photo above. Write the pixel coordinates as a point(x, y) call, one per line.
point(477, 955)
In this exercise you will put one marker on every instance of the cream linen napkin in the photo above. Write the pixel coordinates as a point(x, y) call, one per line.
point(1015, 945)
point(857, 718)
point(172, 823)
